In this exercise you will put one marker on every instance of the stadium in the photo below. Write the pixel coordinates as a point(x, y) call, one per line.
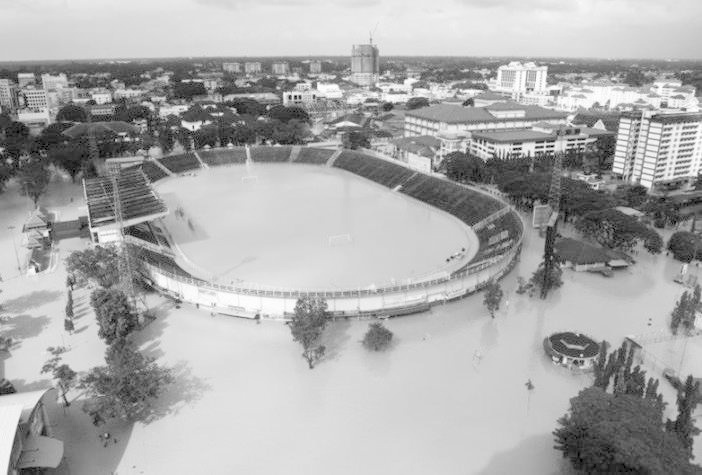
point(247, 231)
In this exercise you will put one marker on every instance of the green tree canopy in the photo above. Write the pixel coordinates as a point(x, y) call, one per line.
point(377, 338)
point(126, 387)
point(417, 103)
point(72, 113)
point(307, 325)
point(99, 264)
point(116, 317)
point(622, 433)
point(34, 178)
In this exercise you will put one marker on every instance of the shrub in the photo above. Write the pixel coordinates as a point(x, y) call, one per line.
point(377, 337)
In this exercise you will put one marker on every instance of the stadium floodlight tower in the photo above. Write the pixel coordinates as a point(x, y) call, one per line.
point(554, 201)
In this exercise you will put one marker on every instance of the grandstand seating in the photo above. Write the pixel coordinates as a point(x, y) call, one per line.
point(378, 170)
point(153, 171)
point(143, 232)
point(270, 154)
point(218, 157)
point(317, 156)
point(164, 262)
point(180, 163)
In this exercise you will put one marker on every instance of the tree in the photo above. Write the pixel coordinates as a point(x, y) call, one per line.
point(684, 425)
point(417, 102)
point(99, 264)
point(307, 325)
point(600, 368)
point(188, 90)
point(6, 173)
point(356, 139)
point(615, 230)
point(64, 376)
point(622, 433)
point(555, 278)
point(16, 140)
point(72, 157)
point(387, 106)
point(684, 245)
point(463, 167)
point(72, 113)
point(34, 178)
point(125, 387)
point(493, 297)
point(286, 114)
point(377, 337)
point(115, 315)
point(165, 139)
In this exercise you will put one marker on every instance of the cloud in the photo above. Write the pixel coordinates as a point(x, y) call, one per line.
point(555, 5)
point(236, 4)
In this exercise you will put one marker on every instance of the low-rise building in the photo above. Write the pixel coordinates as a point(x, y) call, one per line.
point(35, 119)
point(443, 118)
point(34, 98)
point(101, 96)
point(329, 90)
point(420, 153)
point(301, 95)
point(27, 444)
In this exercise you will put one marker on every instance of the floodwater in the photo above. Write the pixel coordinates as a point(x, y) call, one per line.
point(302, 226)
point(448, 398)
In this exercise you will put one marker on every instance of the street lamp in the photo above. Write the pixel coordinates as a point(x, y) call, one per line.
point(14, 245)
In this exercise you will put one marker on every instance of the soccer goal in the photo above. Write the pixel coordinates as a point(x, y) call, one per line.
point(249, 179)
point(340, 239)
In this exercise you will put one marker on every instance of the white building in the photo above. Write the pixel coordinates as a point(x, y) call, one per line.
point(540, 139)
point(456, 119)
point(128, 94)
point(8, 95)
point(280, 68)
point(329, 90)
point(301, 95)
point(33, 98)
point(252, 67)
point(517, 79)
point(657, 148)
point(231, 67)
point(176, 109)
point(35, 119)
point(26, 79)
point(101, 96)
point(54, 83)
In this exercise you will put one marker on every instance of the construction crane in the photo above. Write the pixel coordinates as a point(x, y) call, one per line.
point(370, 33)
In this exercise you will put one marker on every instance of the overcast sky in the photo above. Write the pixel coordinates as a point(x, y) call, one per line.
point(63, 29)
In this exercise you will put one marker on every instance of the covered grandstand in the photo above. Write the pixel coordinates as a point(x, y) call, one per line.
point(498, 228)
point(139, 203)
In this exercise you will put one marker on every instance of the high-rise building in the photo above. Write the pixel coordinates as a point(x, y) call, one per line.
point(26, 79)
point(654, 148)
point(231, 67)
point(8, 95)
point(54, 83)
point(280, 68)
point(33, 98)
point(365, 64)
point(252, 67)
point(315, 67)
point(518, 78)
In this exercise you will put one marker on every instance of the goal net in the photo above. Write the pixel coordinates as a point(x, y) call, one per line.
point(340, 239)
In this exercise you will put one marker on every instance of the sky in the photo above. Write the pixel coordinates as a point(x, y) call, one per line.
point(79, 29)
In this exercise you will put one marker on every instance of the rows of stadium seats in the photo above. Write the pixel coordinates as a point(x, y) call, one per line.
point(218, 157)
point(375, 169)
point(317, 156)
point(508, 223)
point(153, 171)
point(163, 262)
point(180, 163)
point(142, 231)
point(270, 154)
point(467, 205)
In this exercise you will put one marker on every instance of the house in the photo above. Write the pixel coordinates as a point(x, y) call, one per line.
point(581, 256)
point(26, 442)
point(420, 153)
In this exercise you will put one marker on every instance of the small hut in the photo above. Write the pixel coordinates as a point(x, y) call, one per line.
point(38, 221)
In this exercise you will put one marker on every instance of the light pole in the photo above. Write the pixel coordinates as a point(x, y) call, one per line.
point(14, 245)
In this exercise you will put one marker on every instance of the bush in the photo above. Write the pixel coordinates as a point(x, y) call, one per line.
point(377, 337)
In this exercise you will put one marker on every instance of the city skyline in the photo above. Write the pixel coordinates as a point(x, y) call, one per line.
point(214, 28)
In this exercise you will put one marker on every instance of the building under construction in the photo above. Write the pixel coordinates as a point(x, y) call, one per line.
point(365, 64)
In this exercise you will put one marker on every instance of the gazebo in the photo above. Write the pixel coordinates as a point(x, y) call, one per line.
point(573, 350)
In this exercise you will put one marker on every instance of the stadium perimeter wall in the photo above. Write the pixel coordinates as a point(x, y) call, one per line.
point(398, 300)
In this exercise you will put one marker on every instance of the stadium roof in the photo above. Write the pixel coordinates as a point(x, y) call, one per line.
point(139, 202)
point(455, 114)
point(99, 128)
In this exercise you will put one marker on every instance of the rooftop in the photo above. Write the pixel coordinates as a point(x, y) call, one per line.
point(507, 136)
point(454, 114)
